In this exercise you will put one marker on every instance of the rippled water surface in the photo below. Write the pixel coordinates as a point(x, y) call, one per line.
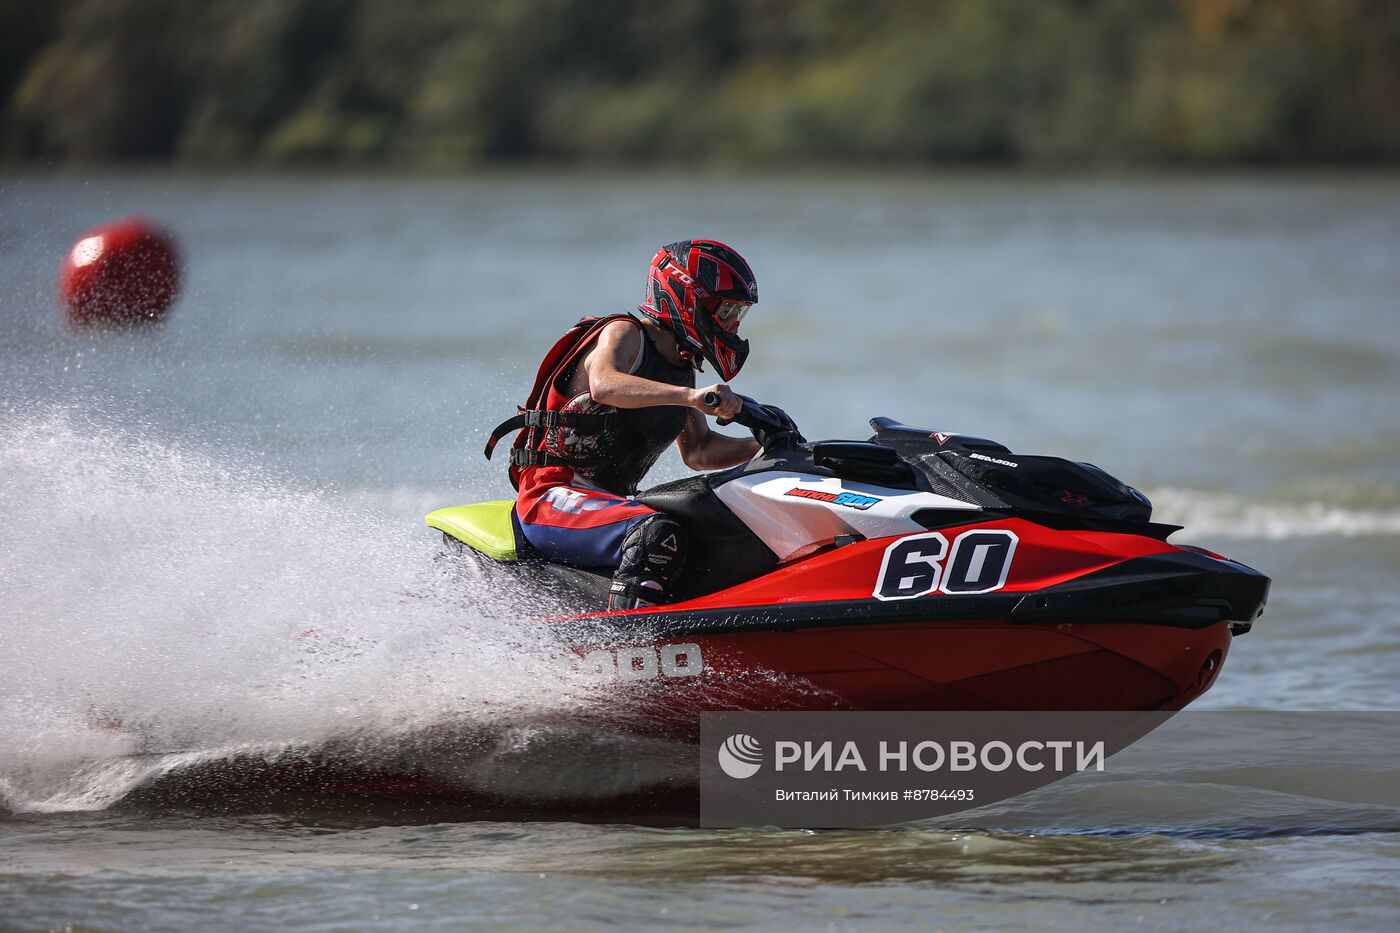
point(211, 533)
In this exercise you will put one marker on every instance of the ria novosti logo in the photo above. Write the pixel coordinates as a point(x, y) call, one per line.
point(740, 756)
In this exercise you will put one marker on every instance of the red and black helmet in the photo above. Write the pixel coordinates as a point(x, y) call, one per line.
point(701, 290)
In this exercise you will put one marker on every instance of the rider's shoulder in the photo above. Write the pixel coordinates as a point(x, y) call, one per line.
point(624, 330)
point(620, 340)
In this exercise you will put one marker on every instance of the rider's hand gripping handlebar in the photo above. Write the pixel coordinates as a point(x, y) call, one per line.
point(771, 426)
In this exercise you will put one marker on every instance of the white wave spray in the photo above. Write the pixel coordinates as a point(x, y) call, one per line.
point(156, 599)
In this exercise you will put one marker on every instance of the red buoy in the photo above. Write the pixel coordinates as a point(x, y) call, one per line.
point(124, 273)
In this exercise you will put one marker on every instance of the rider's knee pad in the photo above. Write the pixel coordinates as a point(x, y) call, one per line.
point(653, 555)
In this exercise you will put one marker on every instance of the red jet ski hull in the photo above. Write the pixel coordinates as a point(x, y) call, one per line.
point(1084, 621)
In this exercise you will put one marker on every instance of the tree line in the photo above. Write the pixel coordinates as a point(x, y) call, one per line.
point(442, 84)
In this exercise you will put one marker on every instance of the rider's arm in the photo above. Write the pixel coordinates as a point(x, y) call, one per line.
point(611, 383)
point(610, 380)
point(703, 449)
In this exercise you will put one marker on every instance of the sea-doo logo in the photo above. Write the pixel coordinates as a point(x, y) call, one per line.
point(1005, 463)
point(942, 437)
point(644, 663)
point(740, 756)
point(849, 499)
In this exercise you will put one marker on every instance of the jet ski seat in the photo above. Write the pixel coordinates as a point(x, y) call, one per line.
point(488, 527)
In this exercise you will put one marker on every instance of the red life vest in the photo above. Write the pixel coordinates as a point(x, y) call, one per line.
point(640, 433)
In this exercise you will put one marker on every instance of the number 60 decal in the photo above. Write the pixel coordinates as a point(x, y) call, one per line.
point(914, 566)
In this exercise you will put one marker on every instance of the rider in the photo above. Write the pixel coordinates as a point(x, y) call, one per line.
point(610, 397)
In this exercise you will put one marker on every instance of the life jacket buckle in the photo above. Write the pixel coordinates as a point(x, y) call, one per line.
point(524, 457)
point(542, 418)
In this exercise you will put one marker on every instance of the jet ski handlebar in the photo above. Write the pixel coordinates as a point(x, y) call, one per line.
point(771, 426)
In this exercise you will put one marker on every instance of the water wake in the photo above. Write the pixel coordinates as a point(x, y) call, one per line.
point(160, 607)
point(1215, 514)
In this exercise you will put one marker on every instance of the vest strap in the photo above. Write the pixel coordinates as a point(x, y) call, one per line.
point(545, 419)
point(525, 457)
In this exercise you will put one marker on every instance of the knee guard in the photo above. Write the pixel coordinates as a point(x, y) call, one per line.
point(653, 555)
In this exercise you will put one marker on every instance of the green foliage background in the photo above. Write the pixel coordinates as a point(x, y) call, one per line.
point(446, 84)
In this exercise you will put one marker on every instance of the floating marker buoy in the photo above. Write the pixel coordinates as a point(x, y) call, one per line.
point(124, 273)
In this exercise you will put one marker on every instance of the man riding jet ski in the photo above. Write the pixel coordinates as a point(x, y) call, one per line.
point(609, 398)
point(916, 570)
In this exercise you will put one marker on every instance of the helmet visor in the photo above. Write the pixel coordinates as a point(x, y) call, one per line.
point(731, 313)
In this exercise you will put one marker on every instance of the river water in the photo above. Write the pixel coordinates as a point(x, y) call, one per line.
point(178, 509)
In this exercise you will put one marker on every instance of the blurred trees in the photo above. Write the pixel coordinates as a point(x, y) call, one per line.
point(440, 84)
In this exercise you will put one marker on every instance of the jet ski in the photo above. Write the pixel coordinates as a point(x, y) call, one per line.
point(914, 570)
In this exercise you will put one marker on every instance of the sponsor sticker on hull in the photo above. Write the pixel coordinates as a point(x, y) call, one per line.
point(851, 500)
